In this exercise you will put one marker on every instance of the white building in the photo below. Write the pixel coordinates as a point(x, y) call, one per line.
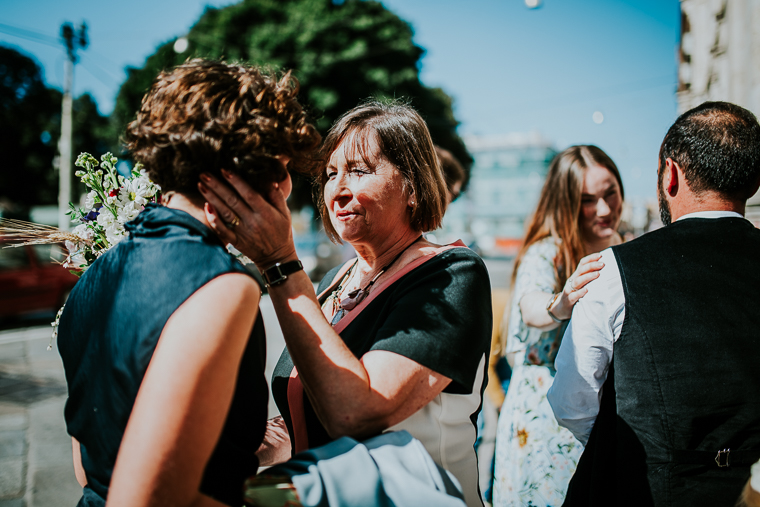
point(505, 182)
point(719, 58)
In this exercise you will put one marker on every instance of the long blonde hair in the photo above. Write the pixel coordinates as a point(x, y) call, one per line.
point(558, 211)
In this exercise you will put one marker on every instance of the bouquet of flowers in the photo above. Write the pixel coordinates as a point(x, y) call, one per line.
point(112, 201)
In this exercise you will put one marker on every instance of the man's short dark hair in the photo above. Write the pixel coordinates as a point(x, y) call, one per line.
point(717, 145)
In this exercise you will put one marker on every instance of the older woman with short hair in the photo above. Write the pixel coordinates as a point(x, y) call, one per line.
point(397, 338)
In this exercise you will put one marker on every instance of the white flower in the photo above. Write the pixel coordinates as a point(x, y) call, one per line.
point(70, 246)
point(124, 198)
point(755, 477)
point(105, 218)
point(136, 190)
point(128, 211)
point(83, 232)
point(115, 233)
point(76, 256)
point(89, 201)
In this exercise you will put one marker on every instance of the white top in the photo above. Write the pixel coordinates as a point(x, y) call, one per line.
point(585, 354)
point(445, 429)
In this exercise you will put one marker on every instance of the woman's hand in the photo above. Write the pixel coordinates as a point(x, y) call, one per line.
point(259, 228)
point(575, 286)
point(276, 447)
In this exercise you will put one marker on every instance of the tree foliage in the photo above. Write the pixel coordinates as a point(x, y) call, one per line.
point(342, 53)
point(28, 110)
point(30, 126)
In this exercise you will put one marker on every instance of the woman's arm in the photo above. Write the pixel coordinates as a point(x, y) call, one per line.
point(351, 397)
point(533, 305)
point(185, 396)
point(76, 452)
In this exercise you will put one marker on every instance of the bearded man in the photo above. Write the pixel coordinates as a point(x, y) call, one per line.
point(657, 373)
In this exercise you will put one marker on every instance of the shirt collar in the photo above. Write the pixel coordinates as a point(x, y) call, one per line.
point(711, 214)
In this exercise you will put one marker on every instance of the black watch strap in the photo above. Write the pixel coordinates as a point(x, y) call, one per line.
point(278, 273)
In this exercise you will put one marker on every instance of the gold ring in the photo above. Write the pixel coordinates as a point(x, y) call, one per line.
point(235, 222)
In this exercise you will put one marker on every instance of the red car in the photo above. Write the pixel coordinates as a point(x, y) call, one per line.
point(31, 281)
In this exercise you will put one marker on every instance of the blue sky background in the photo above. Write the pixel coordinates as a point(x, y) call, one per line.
point(508, 68)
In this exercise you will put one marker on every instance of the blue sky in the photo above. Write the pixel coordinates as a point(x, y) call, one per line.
point(508, 68)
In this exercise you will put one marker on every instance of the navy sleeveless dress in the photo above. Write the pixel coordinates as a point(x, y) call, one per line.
point(110, 328)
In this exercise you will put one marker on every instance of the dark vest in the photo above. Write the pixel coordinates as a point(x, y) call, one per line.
point(108, 333)
point(685, 382)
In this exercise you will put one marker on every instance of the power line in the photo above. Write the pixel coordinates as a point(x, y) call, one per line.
point(588, 95)
point(99, 72)
point(32, 35)
point(93, 71)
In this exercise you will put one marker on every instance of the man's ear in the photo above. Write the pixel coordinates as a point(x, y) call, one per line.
point(671, 178)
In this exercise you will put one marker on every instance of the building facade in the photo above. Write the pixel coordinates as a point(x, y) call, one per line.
point(719, 59)
point(505, 182)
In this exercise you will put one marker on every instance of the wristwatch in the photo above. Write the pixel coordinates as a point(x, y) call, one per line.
point(275, 275)
point(549, 305)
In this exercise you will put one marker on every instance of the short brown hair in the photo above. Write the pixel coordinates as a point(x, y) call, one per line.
point(404, 140)
point(453, 172)
point(206, 115)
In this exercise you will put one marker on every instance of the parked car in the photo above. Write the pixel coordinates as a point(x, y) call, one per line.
point(31, 281)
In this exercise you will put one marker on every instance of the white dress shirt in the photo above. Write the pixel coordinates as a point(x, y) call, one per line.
point(586, 351)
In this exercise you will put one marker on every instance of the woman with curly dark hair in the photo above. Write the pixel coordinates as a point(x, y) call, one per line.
point(162, 341)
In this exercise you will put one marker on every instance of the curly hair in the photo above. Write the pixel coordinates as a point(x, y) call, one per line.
point(204, 116)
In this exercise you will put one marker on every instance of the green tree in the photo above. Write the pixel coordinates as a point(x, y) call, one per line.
point(342, 53)
point(28, 112)
point(30, 125)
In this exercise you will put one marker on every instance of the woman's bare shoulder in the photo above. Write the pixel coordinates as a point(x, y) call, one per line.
point(227, 297)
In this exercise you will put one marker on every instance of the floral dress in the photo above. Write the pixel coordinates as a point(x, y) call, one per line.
point(535, 457)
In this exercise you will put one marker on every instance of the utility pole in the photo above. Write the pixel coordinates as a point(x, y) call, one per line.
point(72, 41)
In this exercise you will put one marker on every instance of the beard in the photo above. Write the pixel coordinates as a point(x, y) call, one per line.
point(664, 206)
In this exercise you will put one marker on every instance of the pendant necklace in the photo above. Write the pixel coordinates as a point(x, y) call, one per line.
point(356, 296)
point(333, 297)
